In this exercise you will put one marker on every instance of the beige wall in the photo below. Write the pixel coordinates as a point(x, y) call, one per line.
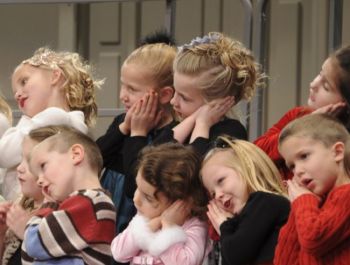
point(297, 40)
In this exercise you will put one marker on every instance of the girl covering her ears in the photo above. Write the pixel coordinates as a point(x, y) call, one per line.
point(170, 203)
point(329, 93)
point(211, 74)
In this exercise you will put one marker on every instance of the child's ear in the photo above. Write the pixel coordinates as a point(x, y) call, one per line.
point(165, 94)
point(339, 151)
point(56, 77)
point(77, 153)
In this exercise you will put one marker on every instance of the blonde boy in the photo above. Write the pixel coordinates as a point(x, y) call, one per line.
point(77, 223)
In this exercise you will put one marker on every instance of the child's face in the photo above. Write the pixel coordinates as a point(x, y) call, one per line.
point(315, 166)
point(27, 180)
point(32, 88)
point(187, 97)
point(324, 88)
point(145, 201)
point(223, 183)
point(55, 171)
point(135, 83)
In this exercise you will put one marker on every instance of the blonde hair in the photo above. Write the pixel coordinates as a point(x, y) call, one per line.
point(79, 87)
point(224, 65)
point(66, 137)
point(5, 109)
point(158, 59)
point(251, 163)
point(322, 128)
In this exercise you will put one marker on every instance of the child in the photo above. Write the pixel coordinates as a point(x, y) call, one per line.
point(77, 224)
point(15, 215)
point(248, 206)
point(169, 201)
point(146, 90)
point(316, 150)
point(211, 74)
point(329, 93)
point(51, 88)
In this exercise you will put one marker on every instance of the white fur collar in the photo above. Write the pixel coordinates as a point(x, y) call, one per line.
point(155, 242)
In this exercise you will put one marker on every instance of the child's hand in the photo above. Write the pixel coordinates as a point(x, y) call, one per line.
point(146, 115)
point(295, 189)
point(176, 214)
point(331, 109)
point(155, 224)
point(217, 215)
point(124, 127)
point(4, 208)
point(214, 111)
point(17, 219)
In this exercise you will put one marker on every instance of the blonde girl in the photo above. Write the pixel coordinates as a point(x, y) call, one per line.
point(146, 90)
point(50, 88)
point(170, 204)
point(316, 150)
point(248, 204)
point(211, 74)
point(14, 216)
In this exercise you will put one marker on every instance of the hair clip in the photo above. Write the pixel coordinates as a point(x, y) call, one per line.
point(210, 38)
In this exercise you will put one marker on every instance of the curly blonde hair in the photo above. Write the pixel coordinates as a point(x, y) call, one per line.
point(224, 67)
point(79, 87)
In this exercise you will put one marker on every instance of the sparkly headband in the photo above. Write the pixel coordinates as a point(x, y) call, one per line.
point(44, 57)
point(210, 38)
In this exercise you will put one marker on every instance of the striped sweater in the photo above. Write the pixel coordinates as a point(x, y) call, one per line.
point(77, 231)
point(314, 234)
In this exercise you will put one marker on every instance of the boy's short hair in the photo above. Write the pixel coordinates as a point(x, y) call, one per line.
point(67, 137)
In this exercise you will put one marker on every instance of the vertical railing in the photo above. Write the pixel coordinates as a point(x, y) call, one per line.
point(335, 24)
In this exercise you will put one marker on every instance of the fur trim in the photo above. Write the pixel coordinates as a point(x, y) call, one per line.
point(165, 238)
point(155, 242)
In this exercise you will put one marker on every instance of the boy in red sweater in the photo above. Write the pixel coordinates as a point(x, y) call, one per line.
point(315, 148)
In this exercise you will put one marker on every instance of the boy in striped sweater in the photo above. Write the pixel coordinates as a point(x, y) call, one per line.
point(76, 225)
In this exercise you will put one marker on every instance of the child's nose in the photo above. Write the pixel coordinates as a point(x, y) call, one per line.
point(20, 168)
point(173, 100)
point(314, 83)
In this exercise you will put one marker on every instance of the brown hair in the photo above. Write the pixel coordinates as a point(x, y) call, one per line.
point(174, 170)
point(322, 128)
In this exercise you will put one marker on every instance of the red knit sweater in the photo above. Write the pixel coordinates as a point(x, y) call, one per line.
point(317, 234)
point(269, 140)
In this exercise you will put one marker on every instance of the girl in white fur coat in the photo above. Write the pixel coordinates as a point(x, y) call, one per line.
point(51, 88)
point(170, 203)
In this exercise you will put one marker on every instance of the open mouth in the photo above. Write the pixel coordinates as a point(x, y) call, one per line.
point(21, 102)
point(227, 204)
point(45, 190)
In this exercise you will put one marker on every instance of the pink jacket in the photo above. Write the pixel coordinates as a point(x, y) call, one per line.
point(186, 245)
